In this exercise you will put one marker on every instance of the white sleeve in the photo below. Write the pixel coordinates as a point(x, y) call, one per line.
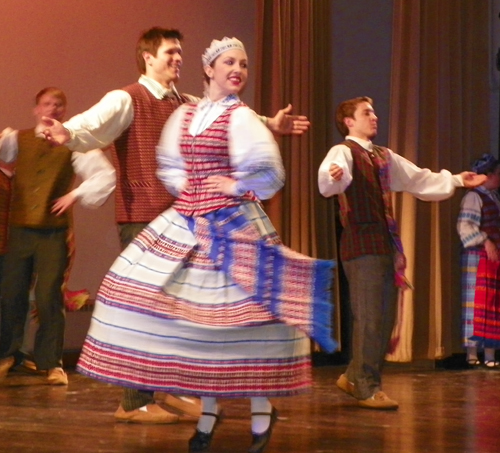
point(254, 155)
point(8, 145)
point(421, 182)
point(98, 175)
point(102, 123)
point(171, 170)
point(469, 221)
point(340, 155)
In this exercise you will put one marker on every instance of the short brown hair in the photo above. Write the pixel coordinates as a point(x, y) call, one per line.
point(150, 40)
point(53, 91)
point(346, 109)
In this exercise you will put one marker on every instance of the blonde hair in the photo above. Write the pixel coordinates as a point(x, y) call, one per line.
point(52, 91)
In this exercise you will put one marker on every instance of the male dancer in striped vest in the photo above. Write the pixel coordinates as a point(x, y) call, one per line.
point(132, 119)
point(364, 175)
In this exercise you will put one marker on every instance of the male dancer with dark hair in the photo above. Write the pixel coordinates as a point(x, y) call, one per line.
point(364, 176)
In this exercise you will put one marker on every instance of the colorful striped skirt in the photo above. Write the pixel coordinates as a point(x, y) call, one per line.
point(469, 263)
point(210, 306)
point(486, 330)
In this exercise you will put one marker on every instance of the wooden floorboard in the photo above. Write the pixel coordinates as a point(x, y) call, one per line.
point(440, 411)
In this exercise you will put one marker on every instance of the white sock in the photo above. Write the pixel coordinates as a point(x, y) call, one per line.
point(207, 422)
point(472, 353)
point(260, 423)
point(489, 354)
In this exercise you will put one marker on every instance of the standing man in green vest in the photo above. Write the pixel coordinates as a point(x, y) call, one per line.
point(40, 216)
point(132, 118)
point(5, 177)
point(364, 175)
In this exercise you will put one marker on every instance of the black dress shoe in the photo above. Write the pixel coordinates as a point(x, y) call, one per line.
point(259, 441)
point(200, 442)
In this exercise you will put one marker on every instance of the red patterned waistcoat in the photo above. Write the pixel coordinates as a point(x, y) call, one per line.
point(365, 206)
point(206, 155)
point(140, 196)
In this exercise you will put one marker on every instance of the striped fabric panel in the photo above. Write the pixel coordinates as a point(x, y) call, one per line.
point(487, 304)
point(131, 296)
point(157, 258)
point(176, 313)
point(296, 291)
point(140, 196)
point(182, 357)
point(206, 155)
point(295, 288)
point(469, 263)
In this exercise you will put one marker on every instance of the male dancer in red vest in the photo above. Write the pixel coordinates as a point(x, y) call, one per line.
point(132, 119)
point(364, 175)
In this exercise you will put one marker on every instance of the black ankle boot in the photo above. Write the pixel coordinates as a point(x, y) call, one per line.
point(200, 442)
point(259, 441)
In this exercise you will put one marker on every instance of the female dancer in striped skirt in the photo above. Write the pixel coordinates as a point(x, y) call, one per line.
point(479, 229)
point(207, 301)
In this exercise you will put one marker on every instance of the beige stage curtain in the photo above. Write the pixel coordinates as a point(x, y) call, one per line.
point(439, 119)
point(293, 55)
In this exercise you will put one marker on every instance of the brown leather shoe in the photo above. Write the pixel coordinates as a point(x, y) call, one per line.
point(345, 385)
point(153, 414)
point(379, 401)
point(28, 366)
point(5, 365)
point(189, 406)
point(57, 376)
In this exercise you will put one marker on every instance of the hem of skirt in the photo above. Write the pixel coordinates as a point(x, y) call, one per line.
point(482, 342)
point(181, 390)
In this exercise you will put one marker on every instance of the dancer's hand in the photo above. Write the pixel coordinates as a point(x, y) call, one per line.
point(61, 205)
point(336, 172)
point(472, 179)
point(220, 184)
point(54, 131)
point(286, 124)
point(491, 250)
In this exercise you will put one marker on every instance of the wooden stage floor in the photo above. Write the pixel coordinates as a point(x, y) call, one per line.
point(440, 411)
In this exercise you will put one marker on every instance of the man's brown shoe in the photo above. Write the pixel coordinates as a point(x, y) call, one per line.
point(189, 406)
point(28, 366)
point(5, 365)
point(379, 401)
point(149, 414)
point(345, 385)
point(57, 376)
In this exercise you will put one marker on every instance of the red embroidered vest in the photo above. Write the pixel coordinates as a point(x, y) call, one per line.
point(140, 196)
point(363, 206)
point(205, 155)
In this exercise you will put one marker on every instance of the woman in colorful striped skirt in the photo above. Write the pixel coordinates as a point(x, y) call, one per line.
point(479, 229)
point(207, 301)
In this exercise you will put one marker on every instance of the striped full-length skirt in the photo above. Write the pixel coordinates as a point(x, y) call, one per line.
point(469, 263)
point(210, 306)
point(486, 330)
